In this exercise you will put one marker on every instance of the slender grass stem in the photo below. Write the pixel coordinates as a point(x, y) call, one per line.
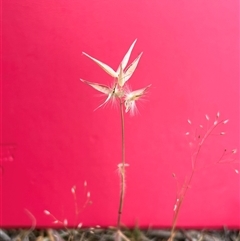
point(122, 168)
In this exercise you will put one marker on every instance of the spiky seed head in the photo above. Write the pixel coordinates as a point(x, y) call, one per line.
point(79, 225)
point(47, 212)
point(226, 121)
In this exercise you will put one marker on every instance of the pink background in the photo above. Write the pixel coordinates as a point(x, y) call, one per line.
point(52, 139)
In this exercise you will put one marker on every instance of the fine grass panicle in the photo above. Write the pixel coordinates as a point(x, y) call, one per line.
point(201, 134)
point(87, 202)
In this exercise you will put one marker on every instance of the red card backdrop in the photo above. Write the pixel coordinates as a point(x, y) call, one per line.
point(52, 139)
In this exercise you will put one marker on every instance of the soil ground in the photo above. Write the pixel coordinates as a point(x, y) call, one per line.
point(93, 234)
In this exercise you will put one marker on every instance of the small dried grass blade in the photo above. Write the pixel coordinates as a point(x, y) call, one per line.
point(101, 88)
point(126, 57)
point(105, 67)
point(131, 68)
